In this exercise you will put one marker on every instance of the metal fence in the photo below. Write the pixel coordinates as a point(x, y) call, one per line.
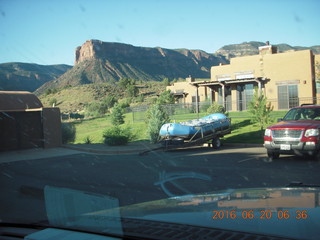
point(174, 110)
point(139, 112)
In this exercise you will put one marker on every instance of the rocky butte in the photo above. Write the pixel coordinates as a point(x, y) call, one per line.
point(107, 62)
point(124, 60)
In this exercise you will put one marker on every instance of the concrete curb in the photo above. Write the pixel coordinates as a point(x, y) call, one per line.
point(98, 151)
point(141, 150)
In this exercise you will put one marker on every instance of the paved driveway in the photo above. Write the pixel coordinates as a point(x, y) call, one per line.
point(132, 178)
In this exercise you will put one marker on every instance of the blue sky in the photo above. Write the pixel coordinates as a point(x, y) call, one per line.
point(48, 31)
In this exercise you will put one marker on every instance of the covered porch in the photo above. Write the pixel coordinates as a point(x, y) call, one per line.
point(233, 94)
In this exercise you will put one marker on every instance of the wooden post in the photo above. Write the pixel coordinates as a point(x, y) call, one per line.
point(197, 100)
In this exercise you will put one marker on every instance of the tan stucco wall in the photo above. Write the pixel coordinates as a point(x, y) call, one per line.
point(240, 64)
point(289, 67)
point(297, 68)
point(191, 90)
point(280, 69)
point(317, 62)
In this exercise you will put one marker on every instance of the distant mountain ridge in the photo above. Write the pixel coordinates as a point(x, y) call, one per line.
point(252, 48)
point(28, 76)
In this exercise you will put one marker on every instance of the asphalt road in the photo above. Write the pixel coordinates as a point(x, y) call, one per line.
point(132, 178)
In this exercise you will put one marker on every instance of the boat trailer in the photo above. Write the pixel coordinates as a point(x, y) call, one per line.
point(199, 138)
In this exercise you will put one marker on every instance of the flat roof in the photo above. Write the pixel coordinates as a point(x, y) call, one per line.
point(213, 83)
point(18, 101)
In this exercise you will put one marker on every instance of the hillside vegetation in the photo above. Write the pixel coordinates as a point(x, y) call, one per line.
point(76, 99)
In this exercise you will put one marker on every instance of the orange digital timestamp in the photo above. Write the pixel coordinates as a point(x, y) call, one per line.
point(263, 214)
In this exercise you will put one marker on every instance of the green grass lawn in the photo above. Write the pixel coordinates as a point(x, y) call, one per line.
point(94, 128)
point(243, 131)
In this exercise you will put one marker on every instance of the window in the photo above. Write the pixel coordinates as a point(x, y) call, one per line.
point(194, 99)
point(318, 87)
point(288, 96)
point(244, 96)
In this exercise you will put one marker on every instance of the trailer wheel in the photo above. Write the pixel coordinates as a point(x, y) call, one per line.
point(273, 155)
point(216, 143)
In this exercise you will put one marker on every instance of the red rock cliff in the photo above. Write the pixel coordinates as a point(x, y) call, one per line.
point(86, 51)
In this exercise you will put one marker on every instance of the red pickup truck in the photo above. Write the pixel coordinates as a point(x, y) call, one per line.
point(297, 133)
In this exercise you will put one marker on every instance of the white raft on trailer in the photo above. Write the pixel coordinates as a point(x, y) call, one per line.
point(208, 129)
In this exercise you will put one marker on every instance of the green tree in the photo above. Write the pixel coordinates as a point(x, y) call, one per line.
point(260, 109)
point(53, 102)
point(166, 97)
point(156, 117)
point(140, 98)
point(132, 91)
point(125, 82)
point(117, 115)
point(110, 101)
point(166, 82)
point(96, 109)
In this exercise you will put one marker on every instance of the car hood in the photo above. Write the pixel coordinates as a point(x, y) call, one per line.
point(291, 212)
point(287, 212)
point(297, 124)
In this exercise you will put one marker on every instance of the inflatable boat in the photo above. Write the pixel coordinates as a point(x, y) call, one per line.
point(214, 124)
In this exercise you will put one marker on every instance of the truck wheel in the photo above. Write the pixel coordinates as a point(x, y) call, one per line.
point(273, 155)
point(316, 156)
point(216, 143)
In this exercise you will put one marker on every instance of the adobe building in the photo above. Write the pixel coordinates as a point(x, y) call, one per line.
point(287, 80)
point(25, 123)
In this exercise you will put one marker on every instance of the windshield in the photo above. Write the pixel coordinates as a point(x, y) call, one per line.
point(153, 119)
point(303, 114)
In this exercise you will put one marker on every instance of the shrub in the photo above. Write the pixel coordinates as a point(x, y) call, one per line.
point(68, 132)
point(87, 140)
point(53, 102)
point(216, 108)
point(132, 91)
point(110, 101)
point(125, 82)
point(140, 98)
point(156, 117)
point(50, 91)
point(125, 102)
point(96, 109)
point(117, 136)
